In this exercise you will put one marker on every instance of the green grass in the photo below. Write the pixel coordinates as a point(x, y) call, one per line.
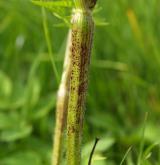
point(124, 84)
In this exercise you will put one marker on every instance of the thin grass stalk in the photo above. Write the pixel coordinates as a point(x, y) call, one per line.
point(48, 41)
point(61, 109)
point(82, 37)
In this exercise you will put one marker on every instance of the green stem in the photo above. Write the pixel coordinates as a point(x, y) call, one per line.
point(48, 41)
point(82, 36)
point(62, 105)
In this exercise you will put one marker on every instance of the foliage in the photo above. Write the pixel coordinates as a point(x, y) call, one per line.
point(124, 84)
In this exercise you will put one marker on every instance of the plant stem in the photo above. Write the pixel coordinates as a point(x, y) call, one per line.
point(62, 105)
point(92, 152)
point(48, 41)
point(82, 36)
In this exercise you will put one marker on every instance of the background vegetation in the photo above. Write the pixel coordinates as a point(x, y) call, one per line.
point(124, 84)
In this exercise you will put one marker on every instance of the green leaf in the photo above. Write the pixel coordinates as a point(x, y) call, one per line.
point(148, 151)
point(34, 89)
point(16, 100)
point(154, 136)
point(5, 85)
point(100, 22)
point(22, 158)
point(18, 131)
point(51, 5)
point(44, 107)
point(6, 120)
point(32, 94)
point(41, 146)
point(58, 8)
point(99, 157)
point(103, 145)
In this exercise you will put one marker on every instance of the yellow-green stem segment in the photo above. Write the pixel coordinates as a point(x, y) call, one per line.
point(82, 36)
point(61, 109)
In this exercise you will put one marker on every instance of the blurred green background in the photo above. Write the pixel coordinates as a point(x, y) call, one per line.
point(124, 84)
